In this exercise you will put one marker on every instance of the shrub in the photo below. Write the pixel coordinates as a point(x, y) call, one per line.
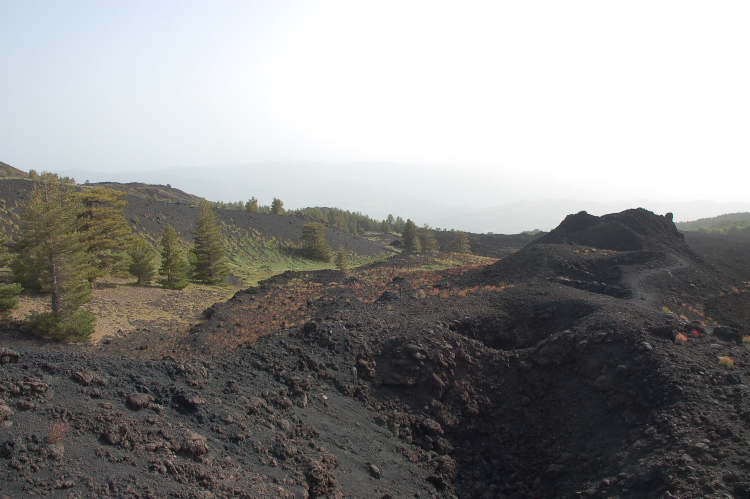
point(8, 298)
point(75, 327)
point(680, 339)
point(726, 362)
point(177, 285)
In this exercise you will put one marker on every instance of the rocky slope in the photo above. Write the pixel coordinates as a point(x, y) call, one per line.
point(150, 216)
point(584, 365)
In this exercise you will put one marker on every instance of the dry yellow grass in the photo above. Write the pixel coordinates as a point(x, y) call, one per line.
point(120, 307)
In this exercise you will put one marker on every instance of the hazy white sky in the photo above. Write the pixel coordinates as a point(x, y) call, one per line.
point(626, 99)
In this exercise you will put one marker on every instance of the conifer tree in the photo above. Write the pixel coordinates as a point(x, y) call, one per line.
point(104, 230)
point(427, 239)
point(209, 250)
point(410, 235)
point(314, 243)
point(173, 265)
point(252, 205)
point(142, 261)
point(52, 257)
point(398, 225)
point(461, 243)
point(342, 262)
point(8, 292)
point(390, 221)
point(277, 206)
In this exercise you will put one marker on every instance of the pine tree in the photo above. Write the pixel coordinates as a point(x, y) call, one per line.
point(173, 265)
point(410, 235)
point(105, 231)
point(461, 243)
point(252, 205)
point(142, 261)
point(8, 292)
point(398, 225)
point(277, 207)
point(314, 243)
point(342, 262)
point(209, 250)
point(53, 257)
point(427, 239)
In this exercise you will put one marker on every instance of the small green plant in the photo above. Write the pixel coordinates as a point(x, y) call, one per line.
point(666, 310)
point(746, 341)
point(680, 339)
point(726, 362)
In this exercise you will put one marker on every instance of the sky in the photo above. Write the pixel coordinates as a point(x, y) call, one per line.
point(588, 99)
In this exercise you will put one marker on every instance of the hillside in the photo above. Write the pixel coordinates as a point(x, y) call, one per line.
point(164, 193)
point(586, 364)
point(252, 237)
point(8, 172)
point(735, 223)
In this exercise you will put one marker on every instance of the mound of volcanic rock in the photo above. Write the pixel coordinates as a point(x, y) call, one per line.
point(632, 254)
point(629, 230)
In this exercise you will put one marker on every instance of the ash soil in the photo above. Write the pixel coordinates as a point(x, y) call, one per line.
point(551, 373)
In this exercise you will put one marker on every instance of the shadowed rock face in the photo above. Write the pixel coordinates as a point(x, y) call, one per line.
point(630, 230)
point(555, 385)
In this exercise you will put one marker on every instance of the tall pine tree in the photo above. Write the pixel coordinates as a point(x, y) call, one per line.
point(52, 257)
point(173, 265)
point(427, 239)
point(277, 206)
point(341, 261)
point(8, 292)
point(410, 235)
point(208, 247)
point(142, 261)
point(252, 205)
point(314, 243)
point(461, 243)
point(105, 231)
